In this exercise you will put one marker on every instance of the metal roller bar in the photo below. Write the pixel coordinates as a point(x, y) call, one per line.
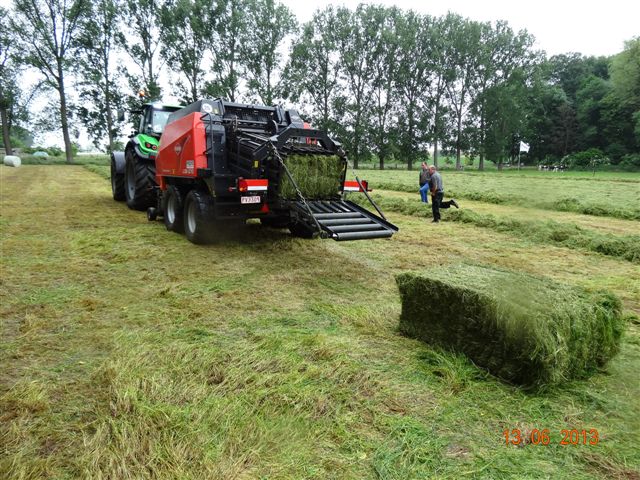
point(363, 235)
point(337, 207)
point(347, 221)
point(370, 227)
point(316, 207)
point(336, 215)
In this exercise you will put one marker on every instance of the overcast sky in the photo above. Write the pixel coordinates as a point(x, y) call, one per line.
point(560, 26)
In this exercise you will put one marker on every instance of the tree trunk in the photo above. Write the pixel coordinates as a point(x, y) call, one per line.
point(194, 85)
point(6, 133)
point(109, 113)
point(325, 110)
point(232, 72)
point(110, 126)
point(436, 132)
point(269, 99)
point(356, 134)
point(458, 149)
point(482, 143)
point(436, 152)
point(411, 128)
point(63, 115)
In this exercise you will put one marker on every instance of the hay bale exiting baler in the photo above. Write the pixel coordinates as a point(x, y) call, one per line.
point(318, 176)
point(524, 329)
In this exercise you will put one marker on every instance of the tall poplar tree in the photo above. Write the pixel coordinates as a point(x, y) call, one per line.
point(47, 31)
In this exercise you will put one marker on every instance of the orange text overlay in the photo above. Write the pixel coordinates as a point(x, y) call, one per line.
point(542, 437)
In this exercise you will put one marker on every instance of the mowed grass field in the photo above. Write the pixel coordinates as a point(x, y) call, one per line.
point(127, 352)
point(606, 194)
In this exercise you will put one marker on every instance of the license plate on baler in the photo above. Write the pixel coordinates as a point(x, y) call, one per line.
point(250, 199)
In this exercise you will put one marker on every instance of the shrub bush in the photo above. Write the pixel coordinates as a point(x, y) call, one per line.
point(590, 158)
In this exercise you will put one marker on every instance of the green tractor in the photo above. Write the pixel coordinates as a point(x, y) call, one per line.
point(133, 172)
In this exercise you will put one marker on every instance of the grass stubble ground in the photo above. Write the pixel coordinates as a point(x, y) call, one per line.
point(128, 352)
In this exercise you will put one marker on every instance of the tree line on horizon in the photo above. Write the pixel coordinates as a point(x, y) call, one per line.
point(391, 84)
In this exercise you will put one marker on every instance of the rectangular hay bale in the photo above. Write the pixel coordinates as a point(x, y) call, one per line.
point(523, 329)
point(317, 176)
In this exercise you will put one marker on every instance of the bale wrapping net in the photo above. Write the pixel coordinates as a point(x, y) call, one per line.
point(317, 176)
point(524, 329)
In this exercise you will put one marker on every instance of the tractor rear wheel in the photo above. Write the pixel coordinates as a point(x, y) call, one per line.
point(140, 182)
point(117, 183)
point(199, 222)
point(173, 210)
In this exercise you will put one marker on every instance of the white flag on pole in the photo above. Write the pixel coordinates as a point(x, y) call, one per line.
point(524, 147)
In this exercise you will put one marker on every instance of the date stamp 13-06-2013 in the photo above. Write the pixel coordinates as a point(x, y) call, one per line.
point(543, 436)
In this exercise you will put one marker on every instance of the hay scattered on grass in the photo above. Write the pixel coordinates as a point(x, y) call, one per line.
point(568, 235)
point(317, 176)
point(526, 330)
point(566, 204)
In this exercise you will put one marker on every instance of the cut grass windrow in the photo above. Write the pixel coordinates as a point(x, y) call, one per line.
point(568, 235)
point(605, 208)
point(606, 198)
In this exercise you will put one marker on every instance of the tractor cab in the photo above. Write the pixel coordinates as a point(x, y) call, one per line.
point(154, 117)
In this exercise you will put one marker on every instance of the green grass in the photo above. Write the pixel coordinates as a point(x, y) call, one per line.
point(541, 231)
point(128, 352)
point(618, 196)
point(103, 170)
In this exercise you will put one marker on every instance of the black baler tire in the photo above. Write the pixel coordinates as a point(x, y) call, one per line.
point(275, 222)
point(199, 224)
point(173, 209)
point(117, 184)
point(301, 231)
point(144, 182)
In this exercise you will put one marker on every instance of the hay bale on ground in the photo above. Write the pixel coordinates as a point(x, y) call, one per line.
point(317, 176)
point(12, 161)
point(524, 329)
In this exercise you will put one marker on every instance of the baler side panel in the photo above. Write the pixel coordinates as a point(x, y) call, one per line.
point(182, 148)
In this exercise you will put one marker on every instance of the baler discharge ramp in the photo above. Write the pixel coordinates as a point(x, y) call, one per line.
point(343, 220)
point(334, 218)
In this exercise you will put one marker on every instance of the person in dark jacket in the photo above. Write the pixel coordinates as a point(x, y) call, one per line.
point(425, 177)
point(437, 194)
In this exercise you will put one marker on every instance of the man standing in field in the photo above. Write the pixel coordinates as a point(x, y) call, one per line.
point(425, 178)
point(437, 193)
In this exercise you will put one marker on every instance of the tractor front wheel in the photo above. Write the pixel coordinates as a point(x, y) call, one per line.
point(173, 210)
point(199, 223)
point(140, 182)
